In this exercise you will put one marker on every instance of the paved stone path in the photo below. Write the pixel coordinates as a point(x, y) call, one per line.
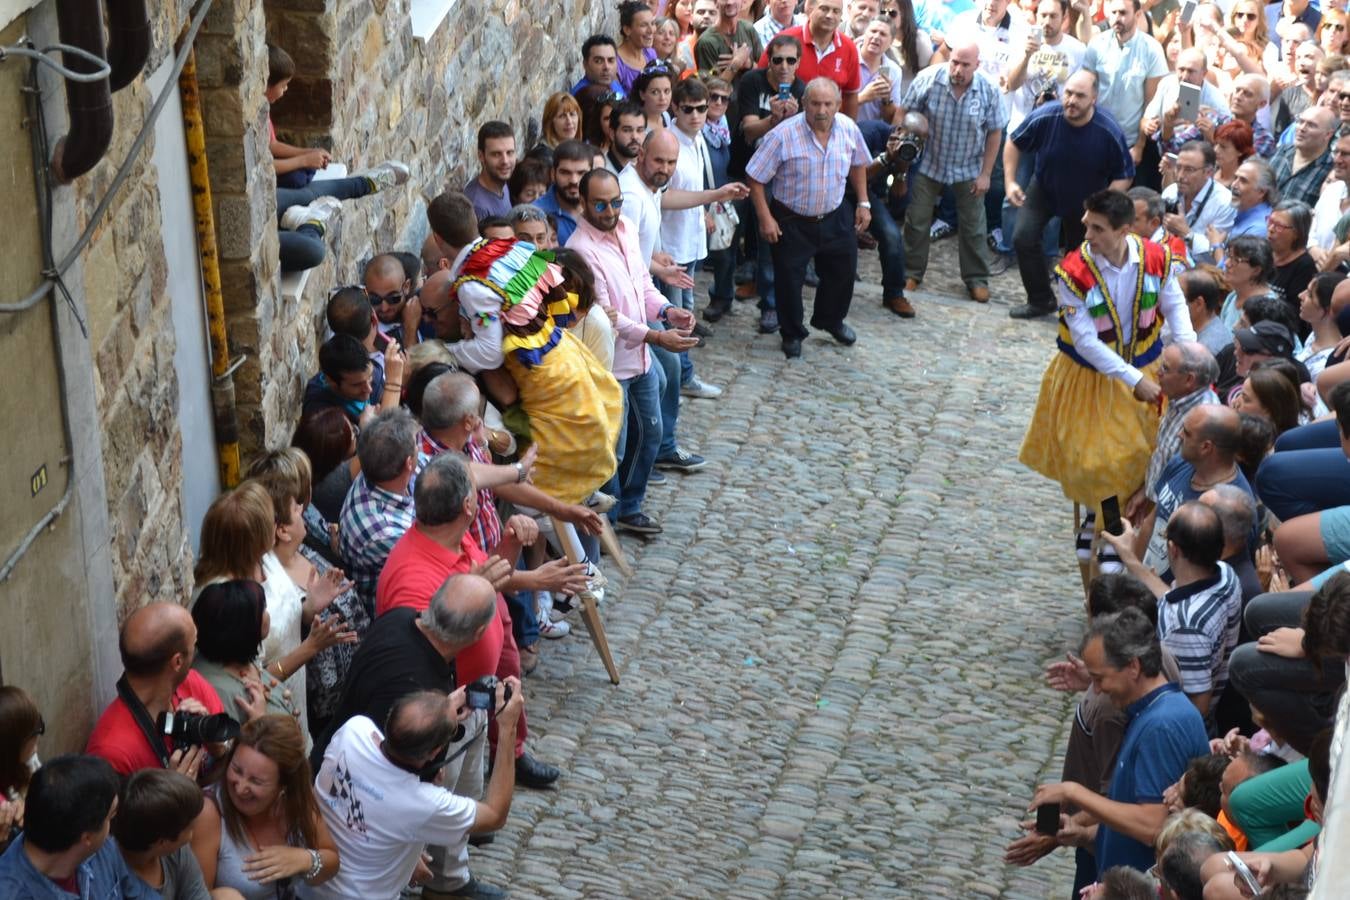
point(830, 660)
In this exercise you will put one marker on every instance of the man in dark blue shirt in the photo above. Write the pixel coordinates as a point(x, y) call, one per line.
point(600, 62)
point(1079, 150)
point(1165, 731)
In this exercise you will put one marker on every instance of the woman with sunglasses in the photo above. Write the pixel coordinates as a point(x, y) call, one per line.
point(1332, 33)
point(911, 46)
point(261, 832)
point(20, 727)
point(635, 47)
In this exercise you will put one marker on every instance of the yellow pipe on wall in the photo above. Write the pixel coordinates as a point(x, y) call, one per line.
point(222, 386)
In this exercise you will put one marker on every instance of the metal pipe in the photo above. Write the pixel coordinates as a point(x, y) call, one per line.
point(80, 23)
point(128, 41)
point(222, 384)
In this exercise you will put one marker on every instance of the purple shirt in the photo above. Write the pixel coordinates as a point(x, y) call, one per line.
point(623, 283)
point(485, 203)
point(807, 178)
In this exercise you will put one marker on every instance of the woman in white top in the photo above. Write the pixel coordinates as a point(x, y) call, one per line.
point(238, 534)
point(593, 323)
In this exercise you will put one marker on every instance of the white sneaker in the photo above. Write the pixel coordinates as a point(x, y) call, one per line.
point(388, 174)
point(553, 630)
point(317, 214)
point(700, 389)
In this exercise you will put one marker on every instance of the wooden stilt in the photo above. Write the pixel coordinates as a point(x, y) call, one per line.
point(590, 612)
point(609, 542)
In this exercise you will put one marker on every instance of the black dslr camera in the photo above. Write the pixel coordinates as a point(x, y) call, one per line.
point(1171, 207)
point(909, 148)
point(482, 694)
point(191, 730)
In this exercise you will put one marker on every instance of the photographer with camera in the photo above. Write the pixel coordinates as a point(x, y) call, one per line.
point(408, 650)
point(381, 805)
point(1077, 153)
point(165, 715)
point(1195, 202)
point(892, 164)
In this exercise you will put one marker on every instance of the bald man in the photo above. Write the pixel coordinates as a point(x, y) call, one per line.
point(388, 288)
point(966, 116)
point(157, 645)
point(1301, 167)
point(1163, 121)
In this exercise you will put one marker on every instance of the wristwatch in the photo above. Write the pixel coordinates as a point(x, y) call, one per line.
point(520, 473)
point(865, 204)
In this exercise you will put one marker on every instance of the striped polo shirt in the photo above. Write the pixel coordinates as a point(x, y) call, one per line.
point(1199, 624)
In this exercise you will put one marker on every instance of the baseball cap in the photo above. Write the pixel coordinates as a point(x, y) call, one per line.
point(1266, 337)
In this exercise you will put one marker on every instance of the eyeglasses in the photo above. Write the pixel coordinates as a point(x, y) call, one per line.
point(656, 66)
point(690, 108)
point(1334, 26)
point(783, 60)
point(719, 98)
point(1343, 95)
point(429, 313)
point(391, 299)
point(1272, 222)
point(601, 206)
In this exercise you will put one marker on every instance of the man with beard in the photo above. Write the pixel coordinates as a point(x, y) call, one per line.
point(628, 123)
point(497, 160)
point(608, 241)
point(571, 160)
point(1077, 153)
point(1119, 56)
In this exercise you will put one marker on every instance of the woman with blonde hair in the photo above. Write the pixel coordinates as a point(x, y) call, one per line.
point(238, 535)
point(562, 119)
point(261, 832)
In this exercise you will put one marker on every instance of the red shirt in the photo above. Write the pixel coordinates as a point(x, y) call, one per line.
point(839, 64)
point(416, 569)
point(119, 740)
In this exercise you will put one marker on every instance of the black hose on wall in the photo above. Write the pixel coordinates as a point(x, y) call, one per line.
point(80, 24)
point(128, 41)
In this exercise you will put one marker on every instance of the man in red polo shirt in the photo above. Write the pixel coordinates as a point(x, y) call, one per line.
point(157, 645)
point(826, 51)
point(440, 544)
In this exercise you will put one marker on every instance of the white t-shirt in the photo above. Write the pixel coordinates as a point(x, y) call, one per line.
point(381, 816)
point(999, 47)
point(683, 235)
point(284, 599)
point(643, 209)
point(1048, 67)
point(1326, 214)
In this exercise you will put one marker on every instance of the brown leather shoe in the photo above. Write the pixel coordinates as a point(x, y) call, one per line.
point(900, 306)
point(746, 291)
point(979, 293)
point(529, 659)
point(912, 284)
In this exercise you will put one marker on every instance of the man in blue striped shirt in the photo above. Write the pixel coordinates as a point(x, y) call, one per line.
point(966, 118)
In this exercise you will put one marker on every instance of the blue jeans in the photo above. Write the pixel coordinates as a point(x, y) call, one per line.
point(684, 299)
point(890, 243)
point(524, 624)
point(668, 367)
point(639, 440)
point(1307, 473)
point(763, 259)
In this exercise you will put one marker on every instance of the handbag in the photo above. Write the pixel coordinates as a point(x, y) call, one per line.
point(722, 212)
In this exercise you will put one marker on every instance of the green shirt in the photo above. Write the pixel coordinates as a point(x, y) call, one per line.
point(713, 43)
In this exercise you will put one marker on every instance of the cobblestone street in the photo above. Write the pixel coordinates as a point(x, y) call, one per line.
point(831, 659)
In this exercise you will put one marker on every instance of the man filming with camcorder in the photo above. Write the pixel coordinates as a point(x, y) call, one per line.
point(165, 714)
point(378, 793)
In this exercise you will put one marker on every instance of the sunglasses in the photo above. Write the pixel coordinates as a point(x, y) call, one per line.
point(607, 97)
point(891, 13)
point(783, 60)
point(429, 313)
point(690, 108)
point(1244, 15)
point(392, 299)
point(601, 206)
point(719, 98)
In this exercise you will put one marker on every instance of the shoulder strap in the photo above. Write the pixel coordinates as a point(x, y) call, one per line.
point(143, 721)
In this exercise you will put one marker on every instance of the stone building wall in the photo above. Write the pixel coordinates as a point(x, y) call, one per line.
point(369, 89)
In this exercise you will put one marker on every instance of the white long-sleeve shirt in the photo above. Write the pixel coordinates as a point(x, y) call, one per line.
point(1119, 284)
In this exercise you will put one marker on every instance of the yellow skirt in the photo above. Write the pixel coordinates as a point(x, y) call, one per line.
point(1089, 433)
point(574, 405)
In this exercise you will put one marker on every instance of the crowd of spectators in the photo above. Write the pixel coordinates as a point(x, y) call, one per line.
point(338, 711)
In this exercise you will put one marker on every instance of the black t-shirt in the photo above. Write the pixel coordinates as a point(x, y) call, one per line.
point(753, 93)
point(393, 659)
point(1291, 280)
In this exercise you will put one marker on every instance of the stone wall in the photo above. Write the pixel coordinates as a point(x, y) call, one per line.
point(368, 89)
point(131, 341)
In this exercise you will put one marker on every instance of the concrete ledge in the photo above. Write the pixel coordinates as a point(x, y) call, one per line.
point(293, 283)
point(427, 16)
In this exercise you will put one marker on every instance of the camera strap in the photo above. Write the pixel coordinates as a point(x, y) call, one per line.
point(141, 715)
point(1199, 205)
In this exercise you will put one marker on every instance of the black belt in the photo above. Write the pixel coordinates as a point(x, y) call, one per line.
point(783, 211)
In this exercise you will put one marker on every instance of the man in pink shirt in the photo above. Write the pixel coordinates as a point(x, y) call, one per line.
point(609, 244)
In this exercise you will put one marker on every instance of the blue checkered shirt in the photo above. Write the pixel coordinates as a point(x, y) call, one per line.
point(372, 521)
point(808, 179)
point(957, 128)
